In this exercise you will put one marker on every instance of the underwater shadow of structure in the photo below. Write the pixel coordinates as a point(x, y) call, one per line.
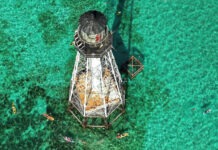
point(122, 53)
point(136, 52)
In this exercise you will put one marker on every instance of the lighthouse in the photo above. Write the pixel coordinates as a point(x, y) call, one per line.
point(96, 88)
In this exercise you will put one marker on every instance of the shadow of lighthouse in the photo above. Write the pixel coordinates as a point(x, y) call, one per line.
point(121, 52)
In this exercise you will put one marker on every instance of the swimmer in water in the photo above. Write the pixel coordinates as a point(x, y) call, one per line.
point(48, 117)
point(118, 13)
point(14, 108)
point(68, 139)
point(207, 111)
point(119, 136)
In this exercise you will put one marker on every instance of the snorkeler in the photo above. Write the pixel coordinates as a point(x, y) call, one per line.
point(118, 13)
point(14, 108)
point(119, 136)
point(207, 111)
point(68, 139)
point(48, 117)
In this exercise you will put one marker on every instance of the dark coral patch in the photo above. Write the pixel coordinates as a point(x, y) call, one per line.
point(52, 30)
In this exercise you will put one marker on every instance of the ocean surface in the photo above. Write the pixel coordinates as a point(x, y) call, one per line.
point(171, 105)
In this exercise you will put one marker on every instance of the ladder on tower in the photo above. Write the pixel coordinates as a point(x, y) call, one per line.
point(78, 43)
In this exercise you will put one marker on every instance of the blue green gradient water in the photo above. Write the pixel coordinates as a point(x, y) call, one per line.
point(176, 42)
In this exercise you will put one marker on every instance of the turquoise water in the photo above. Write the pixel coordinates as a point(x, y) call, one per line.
point(175, 40)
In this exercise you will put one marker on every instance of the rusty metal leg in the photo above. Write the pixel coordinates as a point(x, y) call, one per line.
point(70, 107)
point(123, 109)
point(84, 123)
point(106, 124)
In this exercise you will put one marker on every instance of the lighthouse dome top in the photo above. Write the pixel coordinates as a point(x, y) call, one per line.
point(93, 38)
point(92, 22)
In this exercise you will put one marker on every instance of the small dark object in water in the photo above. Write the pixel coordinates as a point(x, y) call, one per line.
point(193, 109)
point(207, 111)
point(118, 13)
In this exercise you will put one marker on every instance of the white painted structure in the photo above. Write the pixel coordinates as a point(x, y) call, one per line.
point(96, 85)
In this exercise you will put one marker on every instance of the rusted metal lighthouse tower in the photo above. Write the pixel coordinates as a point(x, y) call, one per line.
point(96, 86)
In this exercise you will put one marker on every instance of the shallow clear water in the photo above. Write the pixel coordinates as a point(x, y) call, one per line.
point(176, 41)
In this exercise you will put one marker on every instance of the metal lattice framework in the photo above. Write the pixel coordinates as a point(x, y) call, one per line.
point(134, 67)
point(96, 88)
